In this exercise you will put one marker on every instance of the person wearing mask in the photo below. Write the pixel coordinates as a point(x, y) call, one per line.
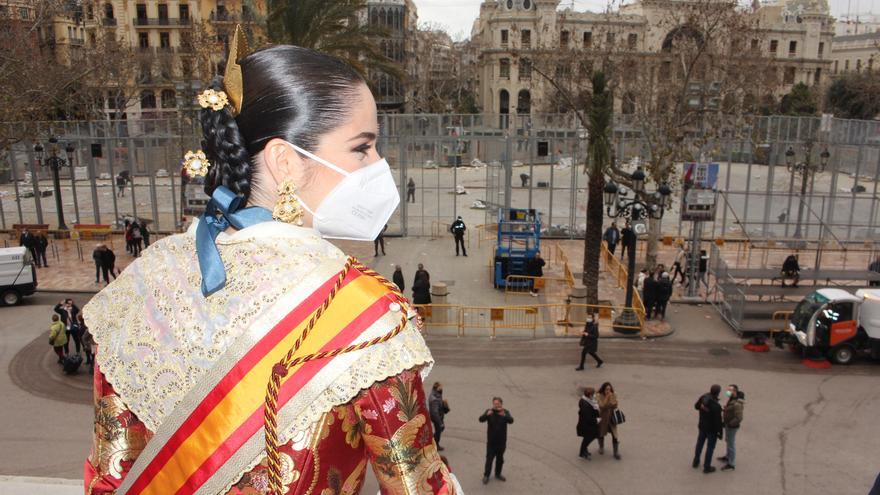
point(437, 408)
point(379, 241)
point(791, 270)
point(535, 268)
point(68, 312)
point(411, 191)
point(58, 337)
point(497, 419)
point(397, 278)
point(627, 240)
point(732, 417)
point(458, 229)
point(588, 420)
point(664, 293)
point(611, 237)
point(590, 341)
point(710, 426)
point(41, 245)
point(607, 400)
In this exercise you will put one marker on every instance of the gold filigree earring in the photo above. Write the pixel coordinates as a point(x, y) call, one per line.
point(288, 209)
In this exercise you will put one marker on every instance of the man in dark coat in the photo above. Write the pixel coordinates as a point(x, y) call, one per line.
point(627, 240)
point(611, 237)
point(42, 243)
point(710, 427)
point(650, 291)
point(397, 278)
point(791, 269)
point(29, 242)
point(588, 420)
point(496, 437)
point(108, 263)
point(458, 229)
point(437, 407)
point(590, 341)
point(535, 268)
point(68, 312)
point(664, 293)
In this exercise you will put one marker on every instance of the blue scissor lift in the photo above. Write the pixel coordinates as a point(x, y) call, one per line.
point(519, 238)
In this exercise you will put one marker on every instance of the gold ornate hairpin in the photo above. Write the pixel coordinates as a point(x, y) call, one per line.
point(196, 163)
point(214, 100)
point(232, 79)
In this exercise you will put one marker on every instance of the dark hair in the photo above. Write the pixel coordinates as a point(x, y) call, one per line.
point(715, 390)
point(589, 391)
point(498, 399)
point(604, 387)
point(436, 386)
point(291, 93)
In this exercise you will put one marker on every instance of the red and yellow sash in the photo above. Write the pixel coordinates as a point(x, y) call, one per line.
point(230, 413)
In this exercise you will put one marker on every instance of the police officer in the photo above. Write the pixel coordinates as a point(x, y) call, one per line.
point(458, 228)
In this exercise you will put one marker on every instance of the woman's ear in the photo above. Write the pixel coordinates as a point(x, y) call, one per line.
point(282, 162)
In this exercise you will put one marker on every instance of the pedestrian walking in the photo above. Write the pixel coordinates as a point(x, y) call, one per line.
point(29, 242)
point(421, 287)
point(732, 417)
point(650, 292)
point(535, 268)
point(88, 342)
point(129, 241)
point(497, 419)
point(607, 400)
point(588, 421)
point(627, 240)
point(97, 255)
point(411, 191)
point(41, 245)
point(58, 337)
point(108, 263)
point(703, 268)
point(137, 239)
point(68, 311)
point(120, 185)
point(145, 234)
point(710, 426)
point(611, 237)
point(437, 408)
point(458, 229)
point(664, 293)
point(678, 263)
point(640, 282)
point(397, 277)
point(379, 241)
point(590, 341)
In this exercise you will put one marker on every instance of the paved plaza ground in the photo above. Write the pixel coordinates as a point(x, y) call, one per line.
point(805, 431)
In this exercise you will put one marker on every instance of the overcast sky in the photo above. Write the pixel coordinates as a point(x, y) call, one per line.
point(457, 16)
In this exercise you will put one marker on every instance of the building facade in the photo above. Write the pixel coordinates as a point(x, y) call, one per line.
point(856, 53)
point(399, 19)
point(509, 35)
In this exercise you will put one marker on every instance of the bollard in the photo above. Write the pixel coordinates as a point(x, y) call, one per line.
point(578, 297)
point(439, 292)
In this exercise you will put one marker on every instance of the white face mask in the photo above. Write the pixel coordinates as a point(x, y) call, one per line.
point(359, 206)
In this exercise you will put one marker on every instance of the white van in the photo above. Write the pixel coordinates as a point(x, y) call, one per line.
point(18, 276)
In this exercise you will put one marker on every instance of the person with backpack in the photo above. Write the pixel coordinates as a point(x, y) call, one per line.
point(710, 427)
point(732, 417)
point(58, 337)
point(458, 228)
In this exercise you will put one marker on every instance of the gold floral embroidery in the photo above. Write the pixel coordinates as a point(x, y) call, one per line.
point(351, 485)
point(114, 441)
point(353, 425)
point(257, 480)
point(401, 467)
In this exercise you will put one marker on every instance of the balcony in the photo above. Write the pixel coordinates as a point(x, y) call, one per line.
point(108, 21)
point(77, 41)
point(161, 22)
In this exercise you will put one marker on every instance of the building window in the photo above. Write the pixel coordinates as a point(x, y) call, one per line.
point(754, 46)
point(792, 48)
point(859, 65)
point(148, 99)
point(774, 44)
point(632, 41)
point(788, 78)
point(163, 11)
point(184, 12)
point(24, 13)
point(504, 37)
point(165, 41)
point(835, 66)
point(665, 71)
point(818, 76)
point(564, 37)
point(871, 64)
point(588, 39)
point(525, 69)
point(526, 38)
point(846, 65)
point(168, 98)
point(628, 105)
point(108, 11)
point(505, 68)
point(821, 48)
point(143, 40)
point(141, 10)
point(609, 38)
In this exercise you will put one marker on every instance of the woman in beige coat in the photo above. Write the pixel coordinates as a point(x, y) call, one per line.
point(607, 404)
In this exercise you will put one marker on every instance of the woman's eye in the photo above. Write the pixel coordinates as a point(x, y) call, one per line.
point(364, 148)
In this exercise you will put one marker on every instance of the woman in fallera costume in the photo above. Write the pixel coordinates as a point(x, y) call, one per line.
point(249, 355)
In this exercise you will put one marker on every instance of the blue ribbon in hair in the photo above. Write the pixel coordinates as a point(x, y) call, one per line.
point(223, 211)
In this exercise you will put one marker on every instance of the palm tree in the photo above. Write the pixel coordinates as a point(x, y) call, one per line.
point(332, 27)
point(599, 117)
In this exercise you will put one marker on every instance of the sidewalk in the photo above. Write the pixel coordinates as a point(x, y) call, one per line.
point(24, 485)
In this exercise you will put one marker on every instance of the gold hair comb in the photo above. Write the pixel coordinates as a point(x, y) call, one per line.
point(232, 78)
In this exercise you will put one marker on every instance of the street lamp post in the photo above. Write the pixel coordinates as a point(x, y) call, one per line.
point(55, 163)
point(641, 206)
point(806, 169)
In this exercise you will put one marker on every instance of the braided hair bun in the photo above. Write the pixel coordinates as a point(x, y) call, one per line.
point(224, 146)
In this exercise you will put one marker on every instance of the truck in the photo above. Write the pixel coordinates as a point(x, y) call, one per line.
point(837, 324)
point(18, 275)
